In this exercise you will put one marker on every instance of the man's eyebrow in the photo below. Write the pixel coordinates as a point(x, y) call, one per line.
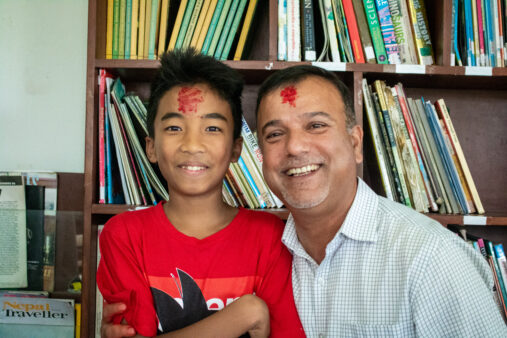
point(318, 113)
point(217, 116)
point(272, 123)
point(171, 115)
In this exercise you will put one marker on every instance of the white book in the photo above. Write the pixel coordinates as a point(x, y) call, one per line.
point(293, 31)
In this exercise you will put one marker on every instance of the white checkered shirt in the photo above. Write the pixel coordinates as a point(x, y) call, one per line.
point(391, 271)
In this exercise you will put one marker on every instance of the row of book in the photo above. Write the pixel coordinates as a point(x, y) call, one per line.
point(34, 314)
point(373, 31)
point(420, 159)
point(145, 29)
point(28, 202)
point(127, 177)
point(495, 256)
point(479, 33)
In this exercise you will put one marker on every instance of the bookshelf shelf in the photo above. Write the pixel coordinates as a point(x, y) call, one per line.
point(476, 98)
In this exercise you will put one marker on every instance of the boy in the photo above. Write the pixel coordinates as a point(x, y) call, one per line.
point(179, 262)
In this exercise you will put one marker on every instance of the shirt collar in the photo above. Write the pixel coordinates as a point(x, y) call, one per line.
point(360, 223)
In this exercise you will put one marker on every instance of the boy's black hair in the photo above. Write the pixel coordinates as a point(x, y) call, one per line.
point(295, 74)
point(188, 67)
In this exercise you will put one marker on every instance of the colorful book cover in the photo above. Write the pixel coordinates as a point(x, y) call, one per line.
point(402, 30)
point(206, 25)
point(128, 28)
point(375, 32)
point(192, 23)
point(109, 30)
point(387, 29)
point(200, 22)
point(134, 29)
point(177, 25)
point(234, 29)
point(219, 27)
point(184, 23)
point(282, 30)
point(250, 13)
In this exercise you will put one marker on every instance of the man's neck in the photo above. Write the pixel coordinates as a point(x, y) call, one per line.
point(317, 226)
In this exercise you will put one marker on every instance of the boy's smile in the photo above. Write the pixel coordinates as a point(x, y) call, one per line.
point(193, 140)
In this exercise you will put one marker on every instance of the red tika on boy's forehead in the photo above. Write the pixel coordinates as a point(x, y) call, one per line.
point(188, 98)
point(288, 95)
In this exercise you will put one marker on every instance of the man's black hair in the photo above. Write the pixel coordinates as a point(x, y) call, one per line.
point(188, 67)
point(295, 74)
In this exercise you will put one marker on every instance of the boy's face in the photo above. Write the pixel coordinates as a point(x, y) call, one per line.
point(193, 140)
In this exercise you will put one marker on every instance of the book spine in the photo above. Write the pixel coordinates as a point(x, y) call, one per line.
point(342, 32)
point(420, 26)
point(228, 195)
point(293, 31)
point(243, 186)
point(238, 194)
point(164, 13)
point(245, 30)
point(121, 29)
point(102, 164)
point(234, 30)
point(140, 37)
point(491, 253)
point(402, 31)
point(387, 29)
point(282, 30)
point(468, 31)
point(206, 25)
point(375, 32)
point(251, 182)
point(116, 29)
point(331, 31)
point(184, 23)
point(153, 29)
point(109, 30)
point(501, 33)
point(213, 25)
point(502, 262)
point(147, 24)
point(308, 30)
point(108, 161)
point(220, 25)
point(128, 27)
point(480, 29)
point(226, 29)
point(477, 53)
point(200, 23)
point(355, 39)
point(192, 24)
point(177, 25)
point(364, 33)
point(134, 28)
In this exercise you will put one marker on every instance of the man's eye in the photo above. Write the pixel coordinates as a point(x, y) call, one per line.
point(213, 129)
point(273, 135)
point(317, 125)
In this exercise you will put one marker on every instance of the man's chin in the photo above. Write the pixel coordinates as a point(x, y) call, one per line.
point(301, 201)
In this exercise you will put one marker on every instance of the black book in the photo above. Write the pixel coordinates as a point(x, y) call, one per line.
point(34, 196)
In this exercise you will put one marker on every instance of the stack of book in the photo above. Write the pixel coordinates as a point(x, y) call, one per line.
point(373, 31)
point(127, 176)
point(145, 29)
point(421, 162)
point(478, 33)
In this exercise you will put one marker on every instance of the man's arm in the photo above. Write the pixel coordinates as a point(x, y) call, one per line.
point(247, 314)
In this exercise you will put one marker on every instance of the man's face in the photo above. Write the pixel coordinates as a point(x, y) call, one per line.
point(193, 140)
point(309, 155)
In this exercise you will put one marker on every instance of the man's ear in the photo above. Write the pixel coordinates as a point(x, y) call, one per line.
point(356, 138)
point(236, 149)
point(150, 149)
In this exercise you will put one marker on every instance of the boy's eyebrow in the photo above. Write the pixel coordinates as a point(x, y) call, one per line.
point(215, 116)
point(171, 115)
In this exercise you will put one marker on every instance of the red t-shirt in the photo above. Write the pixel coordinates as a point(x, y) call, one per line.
point(160, 272)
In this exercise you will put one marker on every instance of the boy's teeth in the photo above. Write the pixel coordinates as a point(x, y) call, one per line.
point(303, 170)
point(193, 168)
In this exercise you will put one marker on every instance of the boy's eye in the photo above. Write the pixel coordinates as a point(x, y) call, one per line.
point(213, 129)
point(172, 128)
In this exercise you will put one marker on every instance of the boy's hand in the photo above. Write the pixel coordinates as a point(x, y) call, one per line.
point(259, 311)
point(110, 330)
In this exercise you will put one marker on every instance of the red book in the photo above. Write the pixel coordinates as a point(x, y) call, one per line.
point(355, 40)
point(102, 164)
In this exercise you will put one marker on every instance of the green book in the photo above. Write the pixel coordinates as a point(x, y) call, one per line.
point(116, 28)
point(234, 29)
point(376, 34)
point(153, 30)
point(128, 23)
point(193, 23)
point(121, 40)
point(226, 29)
point(212, 26)
point(220, 26)
point(184, 23)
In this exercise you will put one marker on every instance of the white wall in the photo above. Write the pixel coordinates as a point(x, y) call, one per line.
point(42, 84)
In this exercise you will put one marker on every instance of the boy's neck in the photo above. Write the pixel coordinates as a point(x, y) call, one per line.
point(199, 217)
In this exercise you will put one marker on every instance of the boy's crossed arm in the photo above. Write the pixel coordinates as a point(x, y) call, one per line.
point(249, 314)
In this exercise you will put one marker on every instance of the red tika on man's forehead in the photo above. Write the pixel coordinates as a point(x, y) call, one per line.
point(288, 95)
point(188, 98)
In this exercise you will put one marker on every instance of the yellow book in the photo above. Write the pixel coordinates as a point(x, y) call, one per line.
point(164, 13)
point(177, 25)
point(205, 26)
point(109, 30)
point(244, 31)
point(147, 22)
point(77, 329)
point(142, 19)
point(200, 23)
point(133, 32)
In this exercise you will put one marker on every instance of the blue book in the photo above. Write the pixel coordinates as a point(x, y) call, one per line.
point(107, 132)
point(229, 190)
point(469, 34)
point(455, 4)
point(212, 27)
point(450, 168)
point(501, 283)
point(251, 182)
point(226, 29)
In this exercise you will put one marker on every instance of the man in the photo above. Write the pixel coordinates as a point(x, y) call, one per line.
point(362, 265)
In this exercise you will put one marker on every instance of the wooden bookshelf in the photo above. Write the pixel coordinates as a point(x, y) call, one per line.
point(477, 104)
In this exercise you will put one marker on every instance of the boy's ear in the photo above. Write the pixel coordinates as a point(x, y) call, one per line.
point(236, 149)
point(150, 149)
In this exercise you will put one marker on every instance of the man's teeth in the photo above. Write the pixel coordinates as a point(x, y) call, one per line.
point(193, 168)
point(303, 170)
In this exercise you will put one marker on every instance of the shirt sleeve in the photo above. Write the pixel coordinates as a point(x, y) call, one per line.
point(453, 296)
point(121, 278)
point(276, 290)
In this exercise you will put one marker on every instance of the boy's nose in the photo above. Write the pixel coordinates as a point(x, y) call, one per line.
point(192, 143)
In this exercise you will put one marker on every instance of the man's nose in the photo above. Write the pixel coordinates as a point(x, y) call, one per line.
point(297, 143)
